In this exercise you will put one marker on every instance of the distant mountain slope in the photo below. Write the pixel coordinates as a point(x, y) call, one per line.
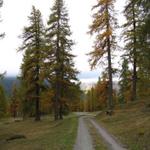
point(8, 82)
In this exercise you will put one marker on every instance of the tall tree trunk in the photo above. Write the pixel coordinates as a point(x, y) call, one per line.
point(58, 108)
point(110, 89)
point(56, 103)
point(14, 111)
point(37, 92)
point(134, 78)
point(62, 92)
point(37, 105)
point(61, 111)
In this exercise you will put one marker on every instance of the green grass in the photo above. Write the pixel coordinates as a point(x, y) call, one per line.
point(130, 124)
point(97, 140)
point(44, 135)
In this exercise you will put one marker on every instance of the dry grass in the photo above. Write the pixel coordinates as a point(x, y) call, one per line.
point(130, 124)
point(98, 141)
point(44, 135)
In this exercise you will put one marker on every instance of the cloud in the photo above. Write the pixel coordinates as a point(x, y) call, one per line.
point(89, 74)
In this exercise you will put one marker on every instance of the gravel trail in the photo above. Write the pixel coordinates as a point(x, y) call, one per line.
point(84, 140)
point(111, 143)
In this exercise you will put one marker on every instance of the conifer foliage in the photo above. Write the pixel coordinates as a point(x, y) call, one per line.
point(124, 83)
point(3, 102)
point(132, 14)
point(33, 45)
point(144, 51)
point(103, 26)
point(60, 71)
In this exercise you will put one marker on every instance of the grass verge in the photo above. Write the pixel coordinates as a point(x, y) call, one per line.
point(98, 142)
point(44, 135)
point(130, 124)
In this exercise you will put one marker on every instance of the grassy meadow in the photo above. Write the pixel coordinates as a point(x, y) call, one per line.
point(44, 135)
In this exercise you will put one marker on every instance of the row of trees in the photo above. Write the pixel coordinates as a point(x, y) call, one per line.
point(48, 61)
point(96, 98)
point(137, 46)
point(48, 77)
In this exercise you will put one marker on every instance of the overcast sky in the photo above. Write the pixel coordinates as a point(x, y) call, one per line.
point(14, 17)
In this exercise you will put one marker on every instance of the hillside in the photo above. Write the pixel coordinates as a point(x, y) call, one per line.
point(130, 124)
point(8, 82)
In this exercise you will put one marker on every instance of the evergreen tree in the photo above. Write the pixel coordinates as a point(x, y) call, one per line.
point(101, 91)
point(60, 71)
point(124, 82)
point(14, 101)
point(33, 46)
point(145, 7)
point(103, 26)
point(26, 103)
point(132, 14)
point(3, 102)
point(144, 49)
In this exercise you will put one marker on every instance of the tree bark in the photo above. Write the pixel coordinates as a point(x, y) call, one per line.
point(58, 105)
point(37, 108)
point(134, 79)
point(61, 111)
point(37, 86)
point(56, 113)
point(110, 89)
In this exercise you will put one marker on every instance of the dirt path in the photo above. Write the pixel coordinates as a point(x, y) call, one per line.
point(84, 141)
point(111, 143)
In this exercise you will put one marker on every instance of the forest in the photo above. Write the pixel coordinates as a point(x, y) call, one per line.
point(48, 92)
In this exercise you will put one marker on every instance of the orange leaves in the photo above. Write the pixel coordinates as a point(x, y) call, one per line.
point(98, 23)
point(102, 92)
point(102, 28)
point(103, 2)
point(106, 34)
point(46, 101)
point(96, 97)
point(96, 56)
point(108, 2)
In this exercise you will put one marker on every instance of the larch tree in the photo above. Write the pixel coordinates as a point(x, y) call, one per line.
point(33, 45)
point(61, 72)
point(3, 102)
point(145, 7)
point(103, 26)
point(14, 104)
point(144, 50)
point(131, 13)
point(124, 82)
point(101, 91)
point(26, 103)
